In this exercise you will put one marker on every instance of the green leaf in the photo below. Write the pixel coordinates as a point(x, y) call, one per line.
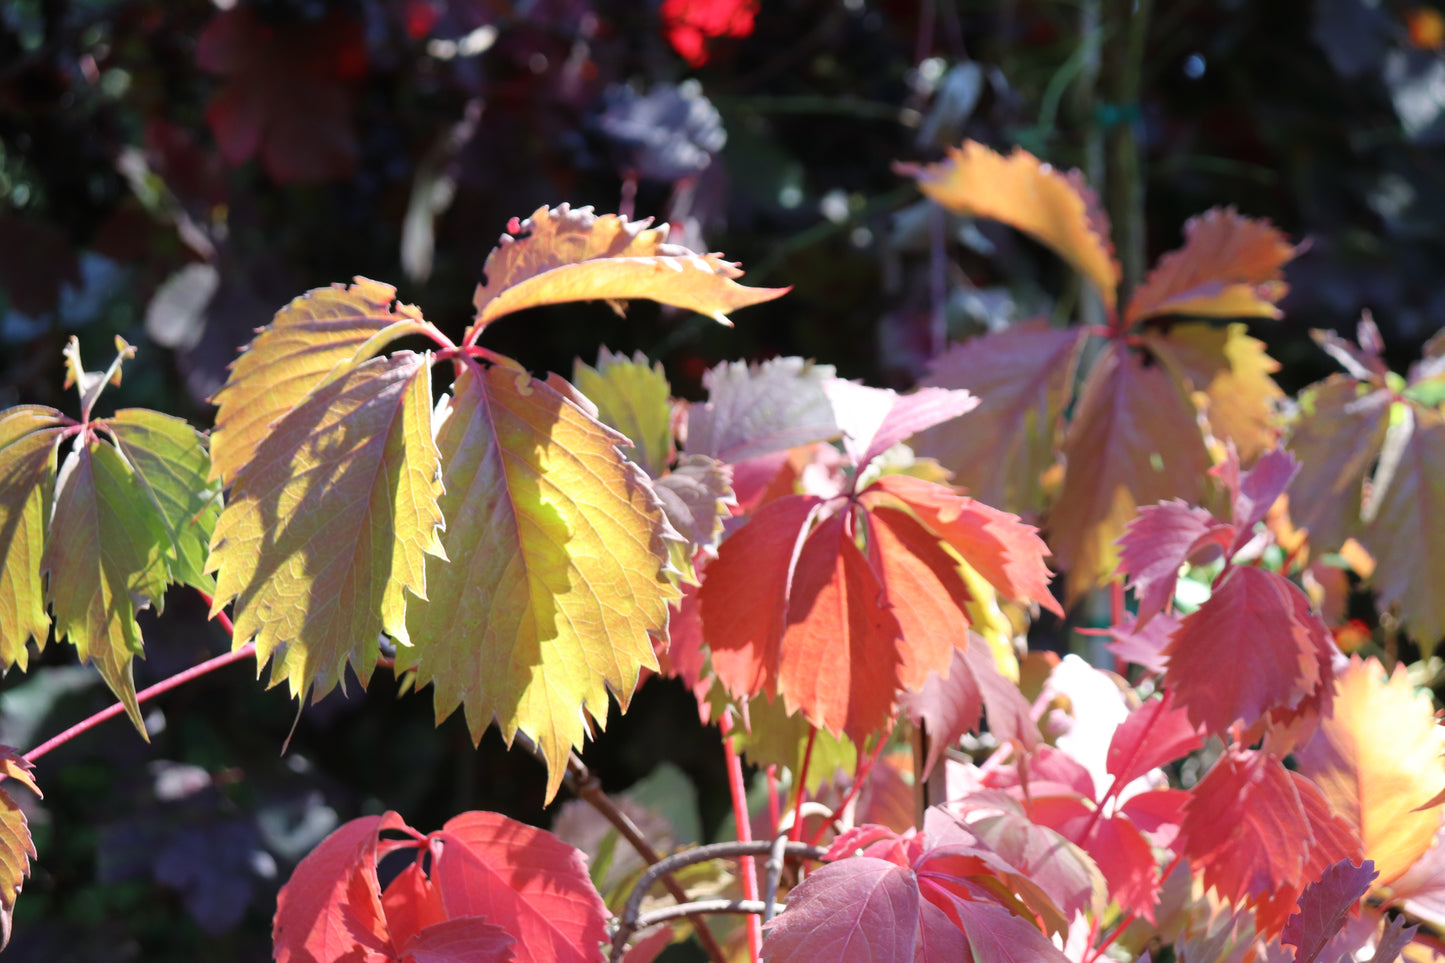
point(774, 737)
point(172, 465)
point(315, 339)
point(28, 438)
point(557, 576)
point(91, 383)
point(559, 255)
point(634, 398)
point(105, 557)
point(327, 526)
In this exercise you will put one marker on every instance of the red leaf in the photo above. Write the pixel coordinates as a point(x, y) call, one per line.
point(1157, 542)
point(924, 592)
point(857, 910)
point(1006, 552)
point(744, 595)
point(286, 95)
point(685, 658)
point(1127, 862)
point(1022, 376)
point(466, 939)
point(1154, 734)
point(1157, 814)
point(1253, 492)
point(524, 879)
point(839, 659)
point(1133, 441)
point(411, 903)
point(331, 906)
point(1323, 906)
point(1229, 267)
point(1261, 623)
point(1143, 647)
point(875, 419)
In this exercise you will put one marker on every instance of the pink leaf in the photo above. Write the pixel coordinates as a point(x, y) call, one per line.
point(858, 910)
point(875, 419)
point(1393, 940)
point(997, 936)
point(1324, 906)
point(1253, 492)
point(1143, 647)
point(1157, 542)
point(1154, 734)
point(466, 939)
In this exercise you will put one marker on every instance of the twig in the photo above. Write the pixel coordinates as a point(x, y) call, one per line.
point(776, 859)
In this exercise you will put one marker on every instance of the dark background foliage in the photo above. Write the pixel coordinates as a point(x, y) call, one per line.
point(175, 172)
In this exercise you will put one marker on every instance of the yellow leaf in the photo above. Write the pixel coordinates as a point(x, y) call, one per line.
point(28, 438)
point(16, 846)
point(1055, 208)
point(1377, 759)
point(328, 525)
point(559, 255)
point(558, 566)
point(316, 338)
point(633, 397)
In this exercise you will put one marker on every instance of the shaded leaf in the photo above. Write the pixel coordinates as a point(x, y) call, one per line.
point(859, 910)
point(525, 880)
point(875, 419)
point(1133, 441)
point(1377, 760)
point(1254, 492)
point(1143, 647)
point(1063, 870)
point(560, 254)
point(1393, 940)
point(1324, 906)
point(16, 846)
point(695, 495)
point(172, 465)
point(1022, 377)
point(1057, 209)
point(1339, 433)
point(776, 738)
point(331, 905)
point(557, 566)
point(753, 411)
point(634, 398)
point(29, 435)
point(327, 527)
point(1157, 543)
point(317, 338)
point(1231, 374)
point(463, 940)
point(1252, 618)
point(104, 558)
point(1229, 267)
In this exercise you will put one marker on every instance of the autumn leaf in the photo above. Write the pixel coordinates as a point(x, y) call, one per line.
point(1337, 437)
point(287, 93)
point(1022, 377)
point(17, 847)
point(1057, 209)
point(556, 566)
point(752, 411)
point(560, 254)
point(1231, 374)
point(328, 525)
point(1157, 543)
point(634, 398)
point(1156, 733)
point(317, 338)
point(1324, 906)
point(1229, 267)
point(1256, 618)
point(1133, 441)
point(1377, 758)
point(858, 910)
point(774, 737)
point(29, 436)
point(875, 419)
point(104, 559)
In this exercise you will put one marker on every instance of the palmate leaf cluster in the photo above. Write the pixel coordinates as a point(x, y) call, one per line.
point(533, 547)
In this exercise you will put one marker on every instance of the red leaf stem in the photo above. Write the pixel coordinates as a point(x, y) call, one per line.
point(745, 835)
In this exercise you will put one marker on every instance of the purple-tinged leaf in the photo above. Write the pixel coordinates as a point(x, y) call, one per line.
point(1253, 492)
point(756, 411)
point(875, 419)
point(1157, 542)
point(1324, 906)
point(1143, 647)
point(857, 910)
point(1393, 940)
point(466, 939)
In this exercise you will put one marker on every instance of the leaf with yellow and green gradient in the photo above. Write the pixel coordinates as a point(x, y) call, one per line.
point(557, 572)
point(105, 558)
point(29, 435)
point(560, 254)
point(315, 339)
point(328, 525)
point(635, 398)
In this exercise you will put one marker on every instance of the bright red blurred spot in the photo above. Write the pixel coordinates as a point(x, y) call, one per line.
point(689, 24)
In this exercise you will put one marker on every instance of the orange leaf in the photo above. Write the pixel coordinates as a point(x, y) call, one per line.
point(16, 846)
point(560, 254)
point(1055, 208)
point(1229, 267)
point(1377, 760)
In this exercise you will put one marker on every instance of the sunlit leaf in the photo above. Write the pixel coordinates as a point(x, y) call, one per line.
point(315, 339)
point(327, 528)
point(561, 254)
point(1055, 208)
point(634, 398)
point(1133, 441)
point(1157, 543)
point(29, 436)
point(1229, 267)
point(1377, 758)
point(760, 410)
point(105, 558)
point(875, 419)
point(1022, 377)
point(172, 464)
point(16, 846)
point(556, 574)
